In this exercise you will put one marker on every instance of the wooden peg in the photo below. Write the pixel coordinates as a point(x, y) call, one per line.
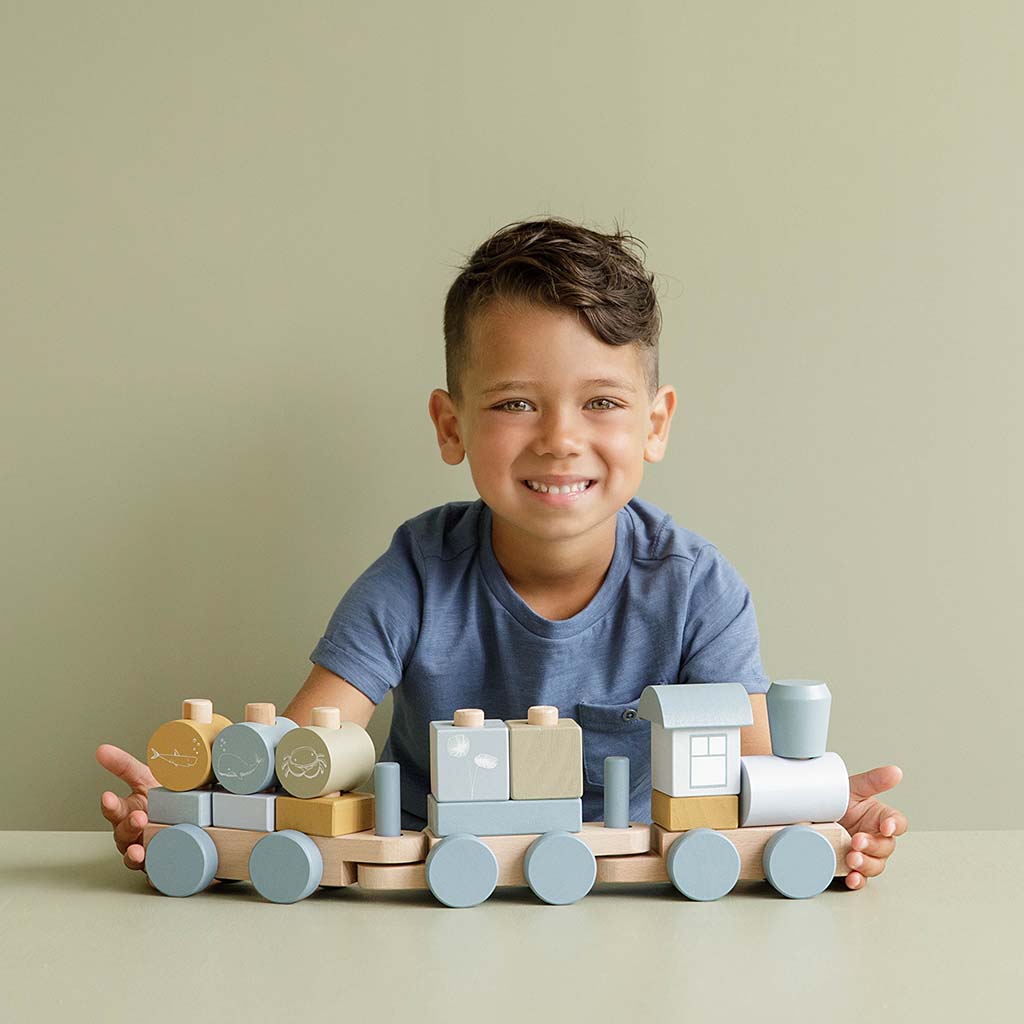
point(542, 714)
point(263, 714)
point(326, 718)
point(197, 709)
point(469, 718)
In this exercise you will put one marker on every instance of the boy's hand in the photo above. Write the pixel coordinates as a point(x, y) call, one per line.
point(873, 826)
point(128, 816)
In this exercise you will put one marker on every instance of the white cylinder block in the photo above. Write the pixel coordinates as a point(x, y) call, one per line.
point(784, 791)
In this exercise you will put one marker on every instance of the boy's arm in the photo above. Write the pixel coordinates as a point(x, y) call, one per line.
point(323, 688)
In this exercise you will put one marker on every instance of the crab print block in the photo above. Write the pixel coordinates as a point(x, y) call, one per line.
point(469, 763)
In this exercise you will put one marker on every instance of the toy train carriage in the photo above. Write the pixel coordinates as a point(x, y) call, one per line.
point(505, 809)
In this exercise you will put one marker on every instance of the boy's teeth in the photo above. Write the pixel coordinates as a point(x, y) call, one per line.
point(568, 489)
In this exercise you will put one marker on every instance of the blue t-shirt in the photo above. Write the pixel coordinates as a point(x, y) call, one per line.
point(435, 619)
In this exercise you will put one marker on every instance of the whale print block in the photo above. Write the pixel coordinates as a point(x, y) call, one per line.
point(469, 763)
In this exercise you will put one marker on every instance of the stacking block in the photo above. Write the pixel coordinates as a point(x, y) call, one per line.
point(798, 713)
point(326, 816)
point(179, 753)
point(243, 753)
point(616, 792)
point(545, 756)
point(387, 799)
point(469, 758)
point(785, 791)
point(167, 807)
point(681, 813)
point(244, 810)
point(695, 736)
point(504, 817)
point(328, 755)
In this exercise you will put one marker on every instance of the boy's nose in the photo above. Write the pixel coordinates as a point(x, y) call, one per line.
point(558, 435)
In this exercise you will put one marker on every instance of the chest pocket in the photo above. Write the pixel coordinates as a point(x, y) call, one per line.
point(615, 730)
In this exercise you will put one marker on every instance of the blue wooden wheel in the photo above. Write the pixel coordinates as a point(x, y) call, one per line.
point(703, 864)
point(181, 860)
point(560, 868)
point(286, 866)
point(461, 871)
point(799, 862)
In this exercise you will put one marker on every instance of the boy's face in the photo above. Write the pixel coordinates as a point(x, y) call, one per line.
point(580, 412)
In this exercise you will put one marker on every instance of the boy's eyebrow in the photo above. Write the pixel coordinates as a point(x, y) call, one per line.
point(596, 382)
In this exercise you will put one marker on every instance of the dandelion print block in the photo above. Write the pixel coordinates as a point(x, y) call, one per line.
point(469, 763)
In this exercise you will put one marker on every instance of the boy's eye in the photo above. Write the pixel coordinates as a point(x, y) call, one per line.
point(517, 404)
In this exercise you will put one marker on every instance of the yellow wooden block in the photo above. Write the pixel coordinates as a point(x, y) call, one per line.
point(326, 816)
point(682, 813)
point(545, 761)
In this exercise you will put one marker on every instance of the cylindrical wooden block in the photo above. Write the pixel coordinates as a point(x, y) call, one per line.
point(783, 791)
point(261, 714)
point(180, 753)
point(387, 799)
point(798, 714)
point(542, 714)
point(244, 753)
point(469, 718)
point(316, 760)
point(616, 792)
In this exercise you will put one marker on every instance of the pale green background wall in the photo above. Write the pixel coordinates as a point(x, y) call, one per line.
point(227, 232)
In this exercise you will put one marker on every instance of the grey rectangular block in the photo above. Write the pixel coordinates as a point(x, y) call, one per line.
point(504, 817)
point(167, 807)
point(255, 811)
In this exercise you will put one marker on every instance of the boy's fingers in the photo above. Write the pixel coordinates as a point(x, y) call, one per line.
point(873, 845)
point(113, 807)
point(129, 830)
point(125, 767)
point(869, 867)
point(854, 880)
point(134, 857)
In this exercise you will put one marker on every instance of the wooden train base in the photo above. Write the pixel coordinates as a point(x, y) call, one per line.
point(560, 867)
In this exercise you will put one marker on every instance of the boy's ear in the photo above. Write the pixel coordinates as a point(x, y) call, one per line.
point(662, 408)
point(446, 422)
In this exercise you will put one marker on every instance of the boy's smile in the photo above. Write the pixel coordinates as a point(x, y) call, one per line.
point(556, 425)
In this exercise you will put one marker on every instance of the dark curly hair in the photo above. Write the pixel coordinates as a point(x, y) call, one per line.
point(556, 263)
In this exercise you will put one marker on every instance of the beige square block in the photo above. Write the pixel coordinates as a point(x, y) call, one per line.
point(545, 761)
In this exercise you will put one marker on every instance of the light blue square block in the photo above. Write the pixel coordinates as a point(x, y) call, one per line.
point(504, 817)
point(469, 763)
point(167, 807)
point(255, 811)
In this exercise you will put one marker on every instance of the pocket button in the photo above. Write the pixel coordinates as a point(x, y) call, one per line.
point(629, 714)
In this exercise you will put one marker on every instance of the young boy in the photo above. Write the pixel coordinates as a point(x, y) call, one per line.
point(558, 586)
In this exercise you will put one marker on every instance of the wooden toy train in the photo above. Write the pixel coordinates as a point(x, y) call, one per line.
point(267, 801)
